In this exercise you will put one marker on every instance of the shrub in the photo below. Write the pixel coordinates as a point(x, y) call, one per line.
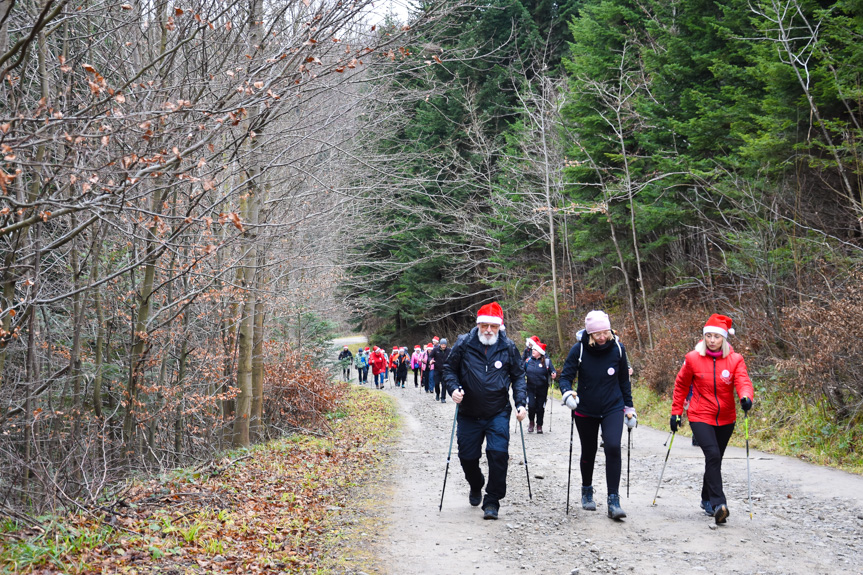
point(674, 334)
point(827, 359)
point(298, 393)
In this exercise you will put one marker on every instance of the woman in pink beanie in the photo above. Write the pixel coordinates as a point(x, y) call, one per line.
point(714, 371)
point(602, 400)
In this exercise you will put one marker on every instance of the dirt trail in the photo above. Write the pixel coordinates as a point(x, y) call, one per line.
point(807, 519)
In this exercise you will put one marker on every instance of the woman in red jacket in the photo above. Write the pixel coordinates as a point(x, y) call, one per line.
point(714, 371)
point(378, 360)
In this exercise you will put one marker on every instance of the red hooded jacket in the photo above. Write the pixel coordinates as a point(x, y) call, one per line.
point(713, 382)
point(378, 360)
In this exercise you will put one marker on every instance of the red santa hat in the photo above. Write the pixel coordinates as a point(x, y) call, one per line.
point(538, 345)
point(490, 313)
point(367, 349)
point(429, 345)
point(346, 347)
point(720, 324)
point(395, 348)
point(417, 347)
point(435, 339)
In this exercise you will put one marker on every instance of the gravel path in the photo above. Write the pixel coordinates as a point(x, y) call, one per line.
point(807, 519)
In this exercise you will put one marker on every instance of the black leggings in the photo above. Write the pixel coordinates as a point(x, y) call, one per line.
point(588, 434)
point(536, 397)
point(713, 439)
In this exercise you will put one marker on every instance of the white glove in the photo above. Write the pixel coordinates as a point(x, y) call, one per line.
point(570, 400)
point(630, 421)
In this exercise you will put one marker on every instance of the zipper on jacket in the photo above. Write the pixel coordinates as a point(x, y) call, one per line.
point(715, 394)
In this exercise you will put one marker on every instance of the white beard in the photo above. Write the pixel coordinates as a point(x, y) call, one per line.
point(490, 340)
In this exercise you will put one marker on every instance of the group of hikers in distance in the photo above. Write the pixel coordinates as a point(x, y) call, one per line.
point(484, 366)
point(422, 362)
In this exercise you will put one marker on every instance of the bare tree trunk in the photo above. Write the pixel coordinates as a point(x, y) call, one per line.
point(31, 366)
point(550, 210)
point(5, 7)
point(630, 296)
point(707, 260)
point(250, 260)
point(136, 358)
point(258, 367)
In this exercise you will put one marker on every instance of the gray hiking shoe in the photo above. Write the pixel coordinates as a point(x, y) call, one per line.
point(587, 501)
point(614, 509)
point(490, 512)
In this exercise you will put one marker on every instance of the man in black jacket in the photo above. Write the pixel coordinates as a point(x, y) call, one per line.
point(481, 367)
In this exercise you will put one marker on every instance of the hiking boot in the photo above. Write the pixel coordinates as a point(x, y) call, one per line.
point(475, 497)
point(614, 509)
point(530, 427)
point(721, 513)
point(490, 512)
point(437, 397)
point(539, 429)
point(587, 501)
point(443, 400)
point(708, 508)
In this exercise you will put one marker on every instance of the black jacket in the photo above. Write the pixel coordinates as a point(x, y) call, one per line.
point(346, 354)
point(402, 362)
point(536, 372)
point(603, 377)
point(439, 355)
point(485, 373)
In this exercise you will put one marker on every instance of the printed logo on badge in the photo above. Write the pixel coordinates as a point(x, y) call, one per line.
point(498, 364)
point(726, 376)
point(610, 371)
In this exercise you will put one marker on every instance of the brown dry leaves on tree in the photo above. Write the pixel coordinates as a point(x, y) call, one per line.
point(299, 395)
point(827, 361)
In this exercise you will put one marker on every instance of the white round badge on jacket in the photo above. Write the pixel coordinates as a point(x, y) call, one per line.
point(610, 371)
point(498, 364)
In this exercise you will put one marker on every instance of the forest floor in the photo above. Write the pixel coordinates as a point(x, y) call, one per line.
point(806, 519)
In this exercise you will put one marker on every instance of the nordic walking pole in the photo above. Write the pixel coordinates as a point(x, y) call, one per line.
point(448, 455)
point(551, 407)
point(655, 495)
point(667, 438)
point(748, 476)
point(569, 473)
point(524, 451)
point(628, 449)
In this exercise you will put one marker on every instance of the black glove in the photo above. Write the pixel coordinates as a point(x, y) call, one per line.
point(745, 403)
point(676, 422)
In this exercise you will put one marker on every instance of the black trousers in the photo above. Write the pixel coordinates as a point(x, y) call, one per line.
point(417, 377)
point(713, 439)
point(536, 397)
point(495, 432)
point(588, 434)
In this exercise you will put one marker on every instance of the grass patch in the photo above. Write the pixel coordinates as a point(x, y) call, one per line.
point(780, 422)
point(271, 508)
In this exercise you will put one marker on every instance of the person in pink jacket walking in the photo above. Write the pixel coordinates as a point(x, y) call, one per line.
point(714, 371)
